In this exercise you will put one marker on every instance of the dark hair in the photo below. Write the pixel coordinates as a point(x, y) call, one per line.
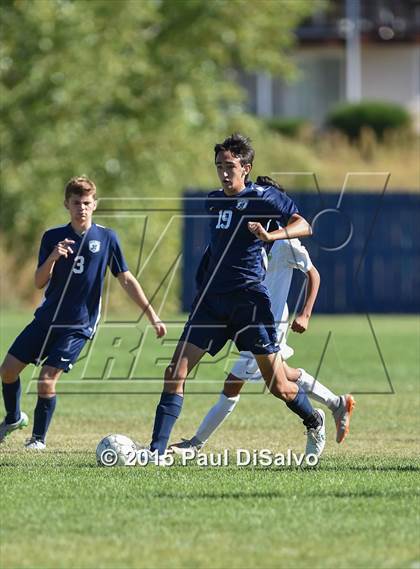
point(267, 181)
point(79, 186)
point(239, 146)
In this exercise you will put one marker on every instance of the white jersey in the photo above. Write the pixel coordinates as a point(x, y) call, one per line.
point(285, 256)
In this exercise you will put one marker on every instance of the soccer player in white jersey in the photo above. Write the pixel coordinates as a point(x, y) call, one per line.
point(284, 257)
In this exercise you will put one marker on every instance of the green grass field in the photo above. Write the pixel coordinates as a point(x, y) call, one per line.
point(358, 508)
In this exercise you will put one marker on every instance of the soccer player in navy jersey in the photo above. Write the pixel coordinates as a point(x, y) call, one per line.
point(232, 303)
point(72, 264)
point(286, 255)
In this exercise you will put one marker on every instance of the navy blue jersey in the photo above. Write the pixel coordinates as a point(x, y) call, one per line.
point(235, 258)
point(73, 294)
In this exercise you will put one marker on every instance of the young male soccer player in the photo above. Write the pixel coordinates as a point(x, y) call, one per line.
point(233, 304)
point(284, 257)
point(73, 259)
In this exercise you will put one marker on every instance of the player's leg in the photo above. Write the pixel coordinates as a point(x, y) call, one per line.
point(312, 387)
point(185, 358)
point(341, 406)
point(62, 350)
point(272, 371)
point(260, 338)
point(204, 332)
point(294, 396)
point(215, 417)
point(45, 406)
point(226, 403)
point(28, 347)
point(245, 369)
point(256, 332)
point(11, 391)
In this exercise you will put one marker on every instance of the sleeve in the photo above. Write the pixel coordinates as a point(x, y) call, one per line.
point(45, 249)
point(298, 256)
point(279, 205)
point(116, 261)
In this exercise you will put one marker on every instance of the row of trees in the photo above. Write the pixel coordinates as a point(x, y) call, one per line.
point(133, 93)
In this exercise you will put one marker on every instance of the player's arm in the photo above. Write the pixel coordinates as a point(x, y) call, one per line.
point(301, 322)
point(45, 270)
point(132, 287)
point(296, 227)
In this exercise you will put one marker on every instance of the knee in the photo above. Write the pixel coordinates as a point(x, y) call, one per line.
point(174, 377)
point(7, 374)
point(175, 373)
point(46, 386)
point(292, 374)
point(283, 390)
point(288, 396)
point(232, 386)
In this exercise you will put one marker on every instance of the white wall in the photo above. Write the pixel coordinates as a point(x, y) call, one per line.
point(392, 73)
point(319, 85)
point(389, 73)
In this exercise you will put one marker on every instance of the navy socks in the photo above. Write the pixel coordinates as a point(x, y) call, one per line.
point(43, 411)
point(167, 412)
point(302, 407)
point(42, 417)
point(11, 397)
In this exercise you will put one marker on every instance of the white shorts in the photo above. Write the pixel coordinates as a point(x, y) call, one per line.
point(246, 367)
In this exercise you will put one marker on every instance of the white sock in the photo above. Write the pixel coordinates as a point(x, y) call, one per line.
point(318, 391)
point(216, 416)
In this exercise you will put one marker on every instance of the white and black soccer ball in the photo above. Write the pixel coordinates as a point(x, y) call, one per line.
point(116, 450)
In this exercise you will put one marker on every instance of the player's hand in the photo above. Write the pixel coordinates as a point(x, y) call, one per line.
point(160, 328)
point(258, 230)
point(62, 249)
point(300, 324)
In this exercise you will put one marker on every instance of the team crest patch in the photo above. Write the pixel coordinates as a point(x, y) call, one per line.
point(241, 204)
point(94, 246)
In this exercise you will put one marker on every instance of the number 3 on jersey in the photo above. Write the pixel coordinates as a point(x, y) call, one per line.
point(79, 264)
point(225, 217)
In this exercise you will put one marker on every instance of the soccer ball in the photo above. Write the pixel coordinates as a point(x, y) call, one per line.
point(116, 450)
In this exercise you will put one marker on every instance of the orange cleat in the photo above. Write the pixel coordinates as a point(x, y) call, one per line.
point(342, 416)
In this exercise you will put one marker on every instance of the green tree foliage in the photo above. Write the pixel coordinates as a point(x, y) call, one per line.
point(133, 93)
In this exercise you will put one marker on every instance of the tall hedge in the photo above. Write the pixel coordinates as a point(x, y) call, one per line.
point(380, 116)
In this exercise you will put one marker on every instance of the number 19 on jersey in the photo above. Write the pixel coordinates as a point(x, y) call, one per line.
point(225, 217)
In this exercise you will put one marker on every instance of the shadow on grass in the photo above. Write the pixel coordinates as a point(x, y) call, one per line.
point(283, 494)
point(371, 468)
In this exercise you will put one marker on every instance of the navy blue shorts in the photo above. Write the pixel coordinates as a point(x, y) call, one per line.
point(243, 316)
point(55, 347)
